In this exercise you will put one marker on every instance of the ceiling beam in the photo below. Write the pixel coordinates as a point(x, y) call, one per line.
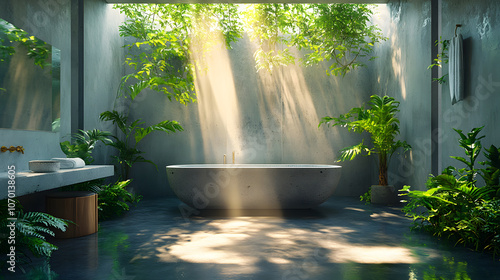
point(247, 1)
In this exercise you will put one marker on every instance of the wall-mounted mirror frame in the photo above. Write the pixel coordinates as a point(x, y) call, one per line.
point(29, 81)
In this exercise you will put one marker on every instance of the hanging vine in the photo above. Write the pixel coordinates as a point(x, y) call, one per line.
point(270, 25)
point(339, 33)
point(165, 36)
point(171, 40)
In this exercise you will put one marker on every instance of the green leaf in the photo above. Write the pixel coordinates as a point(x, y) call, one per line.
point(165, 126)
point(119, 119)
point(379, 121)
point(351, 152)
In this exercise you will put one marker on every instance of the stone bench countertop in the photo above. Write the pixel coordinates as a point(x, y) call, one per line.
point(27, 182)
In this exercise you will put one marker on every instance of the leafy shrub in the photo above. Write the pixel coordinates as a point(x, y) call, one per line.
point(114, 199)
point(454, 207)
point(381, 122)
point(367, 196)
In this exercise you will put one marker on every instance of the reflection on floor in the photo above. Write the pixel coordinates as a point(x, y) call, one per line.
point(341, 239)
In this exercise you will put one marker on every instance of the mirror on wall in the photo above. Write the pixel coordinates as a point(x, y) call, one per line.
point(29, 81)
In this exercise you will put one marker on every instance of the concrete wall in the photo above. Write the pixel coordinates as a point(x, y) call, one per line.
point(51, 22)
point(263, 118)
point(401, 72)
point(480, 30)
point(104, 69)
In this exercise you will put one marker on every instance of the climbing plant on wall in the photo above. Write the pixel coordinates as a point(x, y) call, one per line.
point(441, 59)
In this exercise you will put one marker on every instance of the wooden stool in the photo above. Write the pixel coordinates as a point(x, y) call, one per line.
point(77, 206)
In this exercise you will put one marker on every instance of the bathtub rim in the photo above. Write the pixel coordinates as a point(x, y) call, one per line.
point(253, 165)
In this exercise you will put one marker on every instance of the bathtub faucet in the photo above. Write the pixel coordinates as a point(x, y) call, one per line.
point(224, 159)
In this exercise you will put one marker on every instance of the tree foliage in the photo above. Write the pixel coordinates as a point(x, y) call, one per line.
point(164, 38)
point(12, 38)
point(270, 25)
point(337, 33)
point(170, 41)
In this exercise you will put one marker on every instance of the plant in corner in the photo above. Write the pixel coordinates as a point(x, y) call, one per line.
point(381, 123)
point(453, 206)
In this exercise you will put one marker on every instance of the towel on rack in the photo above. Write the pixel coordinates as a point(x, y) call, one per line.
point(70, 163)
point(456, 70)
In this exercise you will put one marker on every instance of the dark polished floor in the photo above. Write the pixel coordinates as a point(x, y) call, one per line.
point(341, 239)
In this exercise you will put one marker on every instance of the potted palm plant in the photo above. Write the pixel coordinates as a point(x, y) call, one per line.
point(381, 123)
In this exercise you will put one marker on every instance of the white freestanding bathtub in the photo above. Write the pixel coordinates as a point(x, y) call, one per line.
point(253, 186)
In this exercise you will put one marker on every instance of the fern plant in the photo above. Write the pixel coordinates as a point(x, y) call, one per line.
point(84, 143)
point(454, 206)
point(133, 133)
point(114, 199)
point(30, 230)
point(381, 123)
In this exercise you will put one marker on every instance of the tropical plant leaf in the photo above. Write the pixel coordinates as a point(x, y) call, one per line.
point(165, 126)
point(114, 199)
point(351, 152)
point(454, 206)
point(84, 144)
point(381, 123)
point(115, 117)
point(31, 229)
